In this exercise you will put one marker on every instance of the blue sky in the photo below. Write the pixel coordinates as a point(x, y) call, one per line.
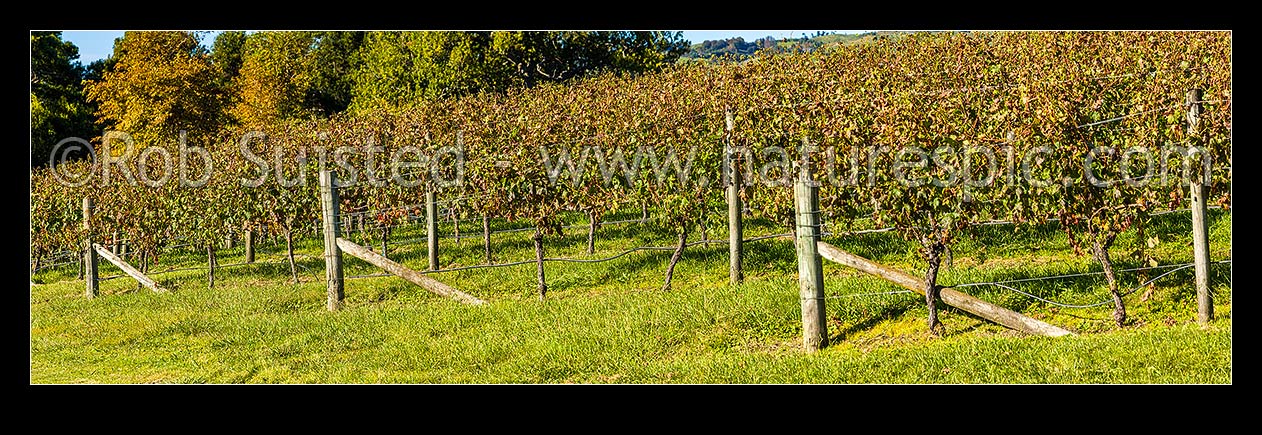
point(98, 44)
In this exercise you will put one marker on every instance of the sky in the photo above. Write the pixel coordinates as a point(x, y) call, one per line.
point(98, 44)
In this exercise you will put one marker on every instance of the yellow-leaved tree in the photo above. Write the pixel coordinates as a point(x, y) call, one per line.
point(163, 83)
point(275, 78)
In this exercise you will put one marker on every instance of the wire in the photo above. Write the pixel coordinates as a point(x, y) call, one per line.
point(1119, 118)
point(997, 222)
point(595, 260)
point(375, 275)
point(1002, 284)
point(770, 236)
point(869, 294)
point(54, 265)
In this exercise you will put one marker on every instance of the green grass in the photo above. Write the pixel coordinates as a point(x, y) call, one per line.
point(609, 322)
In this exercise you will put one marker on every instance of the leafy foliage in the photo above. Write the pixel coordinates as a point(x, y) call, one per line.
point(404, 69)
point(161, 83)
point(58, 108)
point(275, 78)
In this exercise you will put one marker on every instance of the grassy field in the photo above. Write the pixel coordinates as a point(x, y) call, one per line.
point(609, 322)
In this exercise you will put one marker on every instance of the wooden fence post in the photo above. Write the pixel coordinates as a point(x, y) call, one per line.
point(332, 254)
point(431, 229)
point(89, 254)
point(591, 232)
point(810, 266)
point(1200, 227)
point(486, 238)
point(735, 232)
point(249, 246)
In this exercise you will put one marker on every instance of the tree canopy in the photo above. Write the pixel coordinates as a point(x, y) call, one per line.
point(401, 69)
point(274, 79)
point(58, 109)
point(161, 83)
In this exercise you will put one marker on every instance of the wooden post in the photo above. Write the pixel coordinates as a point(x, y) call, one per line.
point(735, 231)
point(89, 254)
point(332, 254)
point(128, 269)
point(1200, 253)
point(543, 282)
point(591, 232)
point(1011, 156)
point(249, 246)
point(810, 267)
point(289, 254)
point(116, 244)
point(431, 229)
point(210, 265)
point(1200, 227)
point(403, 272)
point(486, 238)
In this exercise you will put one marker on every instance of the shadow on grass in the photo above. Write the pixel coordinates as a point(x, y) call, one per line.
point(887, 311)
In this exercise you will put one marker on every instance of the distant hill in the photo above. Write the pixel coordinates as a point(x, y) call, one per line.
point(738, 47)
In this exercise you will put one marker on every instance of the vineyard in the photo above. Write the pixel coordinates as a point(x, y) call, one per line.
point(1081, 139)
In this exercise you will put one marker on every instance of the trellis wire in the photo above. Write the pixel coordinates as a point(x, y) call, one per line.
point(584, 260)
point(1002, 284)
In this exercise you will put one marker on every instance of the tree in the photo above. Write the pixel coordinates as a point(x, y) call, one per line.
point(161, 83)
point(402, 69)
point(558, 56)
point(334, 60)
point(95, 71)
point(226, 56)
point(275, 77)
point(58, 109)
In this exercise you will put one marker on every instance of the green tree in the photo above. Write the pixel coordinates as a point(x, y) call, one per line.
point(334, 60)
point(58, 109)
point(161, 83)
point(536, 57)
point(402, 69)
point(226, 56)
point(95, 71)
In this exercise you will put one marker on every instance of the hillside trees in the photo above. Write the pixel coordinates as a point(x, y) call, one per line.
point(274, 79)
point(162, 83)
point(58, 107)
point(402, 69)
